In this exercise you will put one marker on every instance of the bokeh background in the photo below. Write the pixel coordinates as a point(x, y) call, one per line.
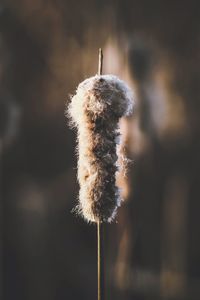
point(46, 48)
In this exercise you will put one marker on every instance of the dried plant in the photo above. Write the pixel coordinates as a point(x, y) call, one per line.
point(95, 110)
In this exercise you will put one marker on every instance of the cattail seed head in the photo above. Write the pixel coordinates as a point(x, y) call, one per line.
point(95, 110)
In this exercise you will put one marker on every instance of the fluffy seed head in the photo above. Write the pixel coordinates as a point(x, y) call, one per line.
point(95, 110)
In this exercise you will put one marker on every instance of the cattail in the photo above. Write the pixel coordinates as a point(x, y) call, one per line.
point(95, 110)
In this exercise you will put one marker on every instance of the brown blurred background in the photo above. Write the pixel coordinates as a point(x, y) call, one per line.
point(46, 48)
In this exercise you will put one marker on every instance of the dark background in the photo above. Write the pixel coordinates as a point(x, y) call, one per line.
point(46, 49)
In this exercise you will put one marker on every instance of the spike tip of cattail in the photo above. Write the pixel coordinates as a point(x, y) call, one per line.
point(95, 110)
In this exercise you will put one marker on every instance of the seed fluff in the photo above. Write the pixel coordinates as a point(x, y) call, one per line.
point(95, 110)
